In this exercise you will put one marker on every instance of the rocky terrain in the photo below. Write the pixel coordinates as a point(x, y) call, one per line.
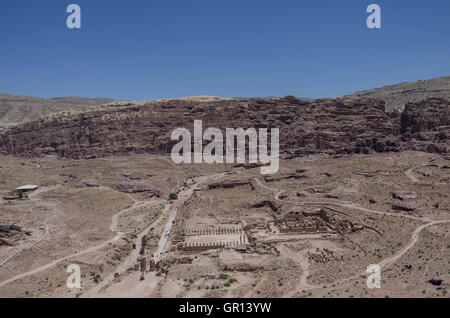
point(429, 115)
point(20, 109)
point(334, 126)
point(397, 96)
point(309, 231)
point(357, 186)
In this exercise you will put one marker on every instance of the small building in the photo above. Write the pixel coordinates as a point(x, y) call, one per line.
point(27, 188)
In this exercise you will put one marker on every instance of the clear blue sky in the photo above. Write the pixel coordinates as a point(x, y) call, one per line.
point(145, 49)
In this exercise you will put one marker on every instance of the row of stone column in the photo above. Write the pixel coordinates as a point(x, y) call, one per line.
point(142, 265)
point(220, 231)
point(242, 241)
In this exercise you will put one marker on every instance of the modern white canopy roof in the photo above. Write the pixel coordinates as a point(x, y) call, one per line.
point(28, 187)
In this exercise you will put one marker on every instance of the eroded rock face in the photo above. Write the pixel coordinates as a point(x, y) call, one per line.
point(286, 176)
point(425, 116)
point(345, 125)
point(272, 205)
point(326, 125)
point(228, 184)
point(406, 207)
point(425, 126)
point(404, 195)
point(126, 188)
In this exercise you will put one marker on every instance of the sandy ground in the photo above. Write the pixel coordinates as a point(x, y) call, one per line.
point(79, 216)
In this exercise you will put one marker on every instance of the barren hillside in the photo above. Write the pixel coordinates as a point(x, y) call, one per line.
point(397, 96)
point(20, 109)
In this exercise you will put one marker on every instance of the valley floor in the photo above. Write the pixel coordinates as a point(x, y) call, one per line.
point(105, 215)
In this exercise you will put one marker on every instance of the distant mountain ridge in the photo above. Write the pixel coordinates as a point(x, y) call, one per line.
point(19, 109)
point(397, 96)
point(16, 110)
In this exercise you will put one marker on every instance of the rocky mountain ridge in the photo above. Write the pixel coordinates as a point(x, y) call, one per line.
point(19, 109)
point(335, 126)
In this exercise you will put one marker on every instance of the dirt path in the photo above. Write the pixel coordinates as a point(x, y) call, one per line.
point(131, 286)
point(136, 205)
point(184, 197)
point(33, 196)
point(117, 237)
point(350, 205)
point(56, 262)
point(415, 237)
point(172, 214)
point(356, 207)
point(47, 232)
point(122, 268)
point(303, 262)
point(304, 285)
point(41, 190)
point(409, 174)
point(384, 264)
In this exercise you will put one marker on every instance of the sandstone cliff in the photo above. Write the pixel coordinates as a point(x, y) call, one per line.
point(425, 116)
point(336, 125)
point(426, 125)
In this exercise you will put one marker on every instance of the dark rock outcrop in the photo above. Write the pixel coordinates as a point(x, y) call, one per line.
point(406, 207)
point(345, 125)
point(425, 126)
point(436, 281)
point(287, 176)
point(126, 188)
point(404, 195)
point(425, 116)
point(228, 184)
point(273, 206)
point(326, 125)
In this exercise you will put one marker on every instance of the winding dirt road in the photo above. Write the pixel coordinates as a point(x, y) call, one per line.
point(46, 234)
point(304, 285)
point(415, 237)
point(131, 286)
point(350, 205)
point(170, 211)
point(117, 237)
